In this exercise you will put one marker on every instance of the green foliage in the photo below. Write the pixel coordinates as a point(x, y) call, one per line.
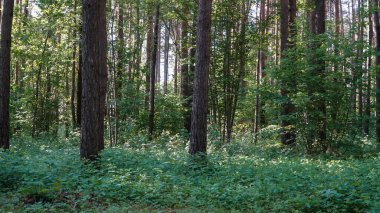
point(41, 54)
point(47, 175)
point(168, 118)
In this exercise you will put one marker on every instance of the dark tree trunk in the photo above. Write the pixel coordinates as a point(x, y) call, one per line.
point(198, 139)
point(287, 16)
point(335, 102)
point(320, 71)
point(317, 106)
point(153, 73)
point(377, 107)
point(94, 78)
point(5, 69)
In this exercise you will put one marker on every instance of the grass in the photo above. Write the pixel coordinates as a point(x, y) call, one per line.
point(47, 175)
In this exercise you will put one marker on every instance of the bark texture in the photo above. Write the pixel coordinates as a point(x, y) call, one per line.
point(287, 17)
point(198, 139)
point(94, 78)
point(5, 70)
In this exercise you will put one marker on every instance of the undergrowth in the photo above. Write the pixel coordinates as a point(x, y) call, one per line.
point(47, 175)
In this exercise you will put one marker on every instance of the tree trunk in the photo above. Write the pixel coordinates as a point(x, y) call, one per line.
point(227, 75)
point(166, 62)
point(198, 139)
point(158, 63)
point(288, 135)
point(367, 113)
point(120, 52)
point(138, 47)
point(149, 45)
point(359, 63)
point(176, 32)
point(321, 29)
point(35, 123)
point(73, 70)
point(153, 73)
point(5, 70)
point(377, 107)
point(185, 75)
point(79, 82)
point(336, 64)
point(94, 78)
point(261, 60)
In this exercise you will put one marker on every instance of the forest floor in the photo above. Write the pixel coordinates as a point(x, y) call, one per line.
point(48, 175)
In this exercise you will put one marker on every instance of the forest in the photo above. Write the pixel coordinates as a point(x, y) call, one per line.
point(190, 106)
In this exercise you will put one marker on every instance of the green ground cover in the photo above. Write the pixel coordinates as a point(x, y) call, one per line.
point(47, 175)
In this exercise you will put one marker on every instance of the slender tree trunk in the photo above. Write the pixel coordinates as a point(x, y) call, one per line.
point(17, 65)
point(73, 70)
point(228, 78)
point(113, 70)
point(94, 78)
point(185, 75)
point(166, 62)
point(139, 44)
point(198, 139)
point(367, 112)
point(153, 73)
point(158, 63)
point(359, 61)
point(149, 46)
point(79, 82)
point(175, 75)
point(257, 99)
point(5, 70)
point(37, 91)
point(355, 74)
point(336, 52)
point(239, 84)
point(259, 70)
point(176, 64)
point(120, 51)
